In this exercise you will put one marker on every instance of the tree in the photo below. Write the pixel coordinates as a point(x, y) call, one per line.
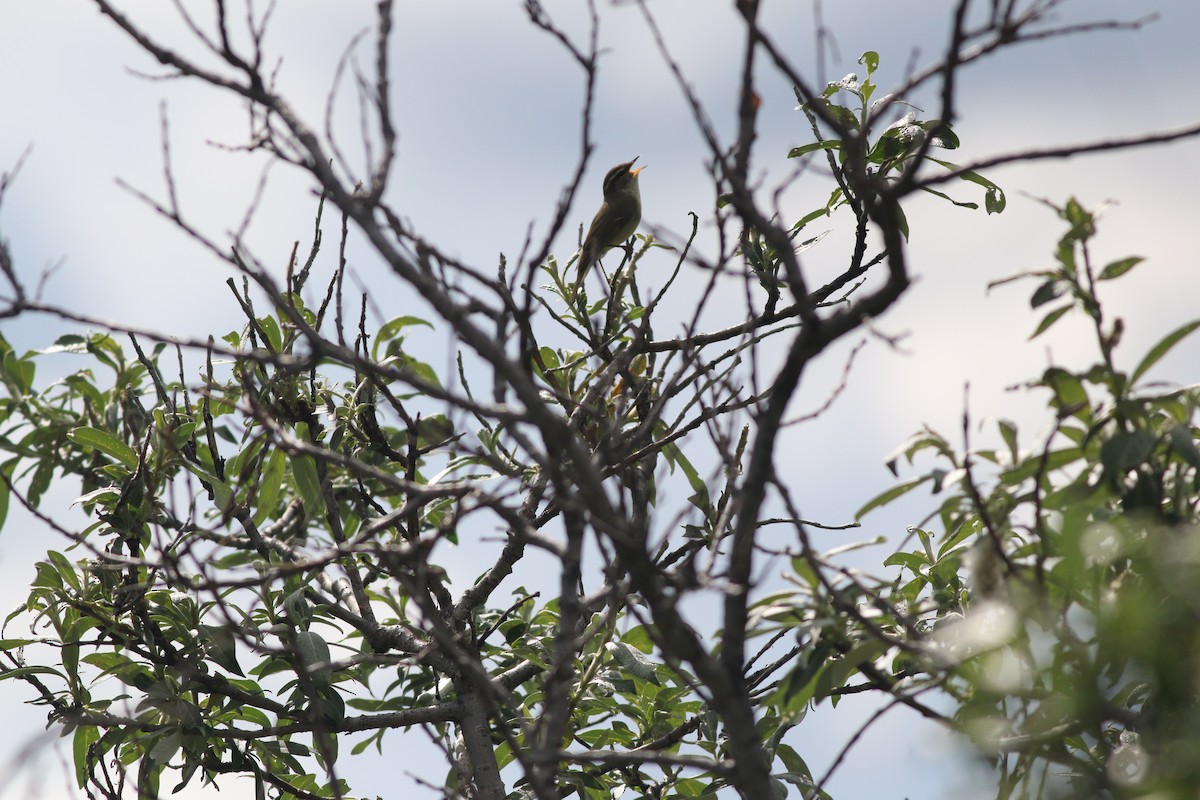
point(1057, 602)
point(264, 573)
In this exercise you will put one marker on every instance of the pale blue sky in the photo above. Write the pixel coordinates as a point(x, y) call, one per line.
point(487, 110)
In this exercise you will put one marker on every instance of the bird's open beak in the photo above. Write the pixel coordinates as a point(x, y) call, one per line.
point(639, 169)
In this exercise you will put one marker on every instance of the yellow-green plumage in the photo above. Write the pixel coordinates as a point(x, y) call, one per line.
point(616, 220)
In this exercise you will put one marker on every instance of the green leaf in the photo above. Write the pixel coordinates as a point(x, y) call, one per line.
point(792, 761)
point(1083, 223)
point(221, 647)
point(898, 140)
point(106, 443)
point(1118, 268)
point(810, 216)
point(306, 476)
point(633, 663)
point(165, 748)
point(4, 498)
point(416, 371)
point(948, 198)
point(902, 221)
point(639, 637)
point(804, 571)
point(13, 644)
point(994, 201)
point(65, 568)
point(434, 430)
point(387, 338)
point(107, 661)
point(914, 561)
point(803, 150)
point(270, 329)
point(333, 709)
point(1067, 387)
point(1162, 348)
point(848, 83)
point(81, 751)
point(796, 690)
point(1184, 444)
point(83, 386)
point(889, 495)
point(308, 483)
point(549, 359)
point(1055, 459)
point(700, 497)
point(69, 343)
point(1064, 253)
point(940, 134)
point(838, 671)
point(1049, 320)
point(41, 480)
point(19, 371)
point(47, 576)
point(270, 482)
point(313, 653)
point(1125, 451)
point(298, 609)
point(1050, 290)
point(1008, 431)
point(21, 672)
point(222, 494)
point(949, 543)
point(105, 349)
point(843, 118)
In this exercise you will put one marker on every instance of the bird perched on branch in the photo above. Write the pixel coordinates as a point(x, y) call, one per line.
point(616, 220)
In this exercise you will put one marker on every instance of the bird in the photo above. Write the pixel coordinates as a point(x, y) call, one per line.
point(616, 220)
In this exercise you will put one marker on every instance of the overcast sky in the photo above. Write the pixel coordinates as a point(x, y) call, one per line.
point(487, 109)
